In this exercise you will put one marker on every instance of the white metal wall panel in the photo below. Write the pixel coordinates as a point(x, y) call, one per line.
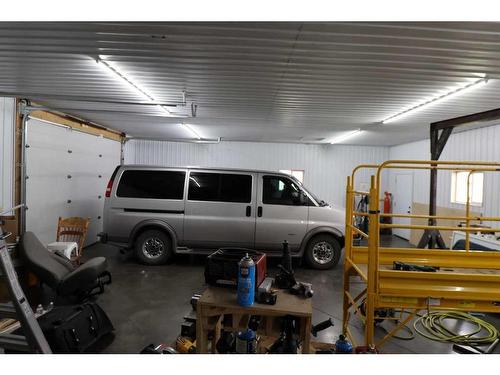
point(325, 166)
point(54, 154)
point(7, 132)
point(477, 144)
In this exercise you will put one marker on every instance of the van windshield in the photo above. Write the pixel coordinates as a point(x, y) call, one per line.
point(321, 202)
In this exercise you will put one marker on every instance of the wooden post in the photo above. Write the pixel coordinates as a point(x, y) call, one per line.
point(432, 237)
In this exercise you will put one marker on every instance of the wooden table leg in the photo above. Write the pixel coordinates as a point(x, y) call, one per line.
point(201, 333)
point(216, 336)
point(306, 345)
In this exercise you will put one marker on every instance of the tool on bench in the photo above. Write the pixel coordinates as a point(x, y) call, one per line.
point(302, 289)
point(321, 326)
point(265, 293)
point(285, 279)
point(400, 266)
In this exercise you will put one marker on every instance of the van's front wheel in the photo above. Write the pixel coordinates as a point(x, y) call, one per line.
point(153, 247)
point(323, 252)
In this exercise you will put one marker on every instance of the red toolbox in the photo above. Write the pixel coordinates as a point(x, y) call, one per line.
point(222, 266)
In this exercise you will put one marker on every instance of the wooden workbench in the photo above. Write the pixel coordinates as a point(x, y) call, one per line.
point(217, 302)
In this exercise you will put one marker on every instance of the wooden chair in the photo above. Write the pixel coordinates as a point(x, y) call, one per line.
point(73, 229)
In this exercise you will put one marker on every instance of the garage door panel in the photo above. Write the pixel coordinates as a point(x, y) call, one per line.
point(41, 206)
point(56, 153)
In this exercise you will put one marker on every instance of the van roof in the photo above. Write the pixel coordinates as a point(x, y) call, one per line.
point(207, 168)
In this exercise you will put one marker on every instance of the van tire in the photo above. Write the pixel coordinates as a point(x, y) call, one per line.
point(323, 252)
point(153, 247)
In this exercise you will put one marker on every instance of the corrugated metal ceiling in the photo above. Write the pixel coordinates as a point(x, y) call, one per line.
point(296, 82)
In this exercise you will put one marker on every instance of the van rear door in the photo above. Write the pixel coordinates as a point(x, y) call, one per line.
point(220, 209)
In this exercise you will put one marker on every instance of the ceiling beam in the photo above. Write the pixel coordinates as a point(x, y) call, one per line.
point(492, 114)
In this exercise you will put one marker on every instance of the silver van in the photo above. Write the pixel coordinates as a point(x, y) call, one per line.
point(160, 211)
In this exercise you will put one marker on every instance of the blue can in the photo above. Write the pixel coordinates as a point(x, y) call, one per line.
point(246, 342)
point(246, 281)
point(342, 346)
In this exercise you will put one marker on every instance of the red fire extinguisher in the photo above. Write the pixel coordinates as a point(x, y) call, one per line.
point(387, 210)
point(388, 205)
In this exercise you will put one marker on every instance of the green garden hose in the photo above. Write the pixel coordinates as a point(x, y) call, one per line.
point(431, 326)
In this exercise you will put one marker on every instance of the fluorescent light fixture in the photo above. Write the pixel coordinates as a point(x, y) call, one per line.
point(191, 130)
point(458, 91)
point(113, 69)
point(346, 136)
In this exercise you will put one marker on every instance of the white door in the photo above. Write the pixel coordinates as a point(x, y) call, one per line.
point(402, 201)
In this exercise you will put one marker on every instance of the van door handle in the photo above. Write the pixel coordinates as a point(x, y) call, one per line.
point(249, 211)
point(259, 211)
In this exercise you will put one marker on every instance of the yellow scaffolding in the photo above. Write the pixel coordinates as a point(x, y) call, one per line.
point(466, 281)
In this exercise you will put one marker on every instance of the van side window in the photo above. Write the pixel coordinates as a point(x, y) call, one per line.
point(283, 191)
point(151, 184)
point(220, 187)
point(236, 188)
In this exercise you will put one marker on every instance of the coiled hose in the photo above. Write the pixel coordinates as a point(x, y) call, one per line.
point(431, 326)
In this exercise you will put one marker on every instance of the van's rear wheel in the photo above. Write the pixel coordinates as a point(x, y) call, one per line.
point(323, 252)
point(153, 247)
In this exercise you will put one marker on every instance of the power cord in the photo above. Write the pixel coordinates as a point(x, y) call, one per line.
point(431, 326)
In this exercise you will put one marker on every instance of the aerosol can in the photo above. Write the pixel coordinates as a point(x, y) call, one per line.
point(246, 281)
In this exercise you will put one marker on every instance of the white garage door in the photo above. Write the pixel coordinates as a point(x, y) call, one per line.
point(67, 176)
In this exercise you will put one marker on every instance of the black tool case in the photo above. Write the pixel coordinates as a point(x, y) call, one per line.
point(76, 328)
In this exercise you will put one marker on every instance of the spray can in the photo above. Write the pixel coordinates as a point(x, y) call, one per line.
point(246, 281)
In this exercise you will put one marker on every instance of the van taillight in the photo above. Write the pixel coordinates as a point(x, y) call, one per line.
point(109, 187)
point(110, 183)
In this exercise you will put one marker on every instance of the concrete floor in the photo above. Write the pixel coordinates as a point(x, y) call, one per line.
point(147, 304)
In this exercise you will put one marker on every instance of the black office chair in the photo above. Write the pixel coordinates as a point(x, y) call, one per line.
point(58, 273)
